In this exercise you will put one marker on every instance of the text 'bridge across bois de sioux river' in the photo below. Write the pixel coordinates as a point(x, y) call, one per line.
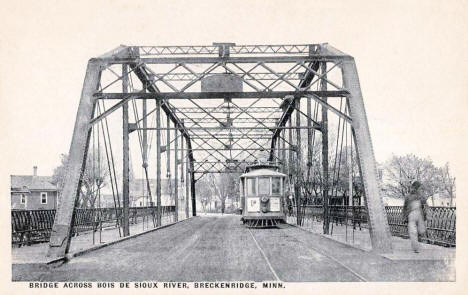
point(218, 109)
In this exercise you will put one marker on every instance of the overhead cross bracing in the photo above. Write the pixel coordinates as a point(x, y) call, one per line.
point(229, 106)
point(229, 118)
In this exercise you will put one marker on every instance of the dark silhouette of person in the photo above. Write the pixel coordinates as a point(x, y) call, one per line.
point(414, 210)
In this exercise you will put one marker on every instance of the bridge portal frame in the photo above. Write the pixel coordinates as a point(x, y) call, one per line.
point(306, 61)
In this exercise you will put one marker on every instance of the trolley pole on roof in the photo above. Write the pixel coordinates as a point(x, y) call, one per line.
point(126, 166)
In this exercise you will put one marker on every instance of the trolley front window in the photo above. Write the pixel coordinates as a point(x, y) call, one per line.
point(251, 187)
point(264, 185)
point(275, 185)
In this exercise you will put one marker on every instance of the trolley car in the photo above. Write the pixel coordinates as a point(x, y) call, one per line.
point(262, 196)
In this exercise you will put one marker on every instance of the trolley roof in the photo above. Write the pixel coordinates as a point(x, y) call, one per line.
point(263, 172)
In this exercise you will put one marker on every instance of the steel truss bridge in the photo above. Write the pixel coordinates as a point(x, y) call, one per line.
point(226, 106)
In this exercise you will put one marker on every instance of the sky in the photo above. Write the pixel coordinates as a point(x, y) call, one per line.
point(410, 55)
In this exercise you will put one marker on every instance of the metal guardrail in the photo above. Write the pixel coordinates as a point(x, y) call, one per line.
point(440, 221)
point(33, 226)
point(440, 224)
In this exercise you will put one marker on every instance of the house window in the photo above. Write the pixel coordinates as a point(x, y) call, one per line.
point(23, 199)
point(43, 198)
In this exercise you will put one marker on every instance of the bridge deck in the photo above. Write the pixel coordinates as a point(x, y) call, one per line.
point(220, 248)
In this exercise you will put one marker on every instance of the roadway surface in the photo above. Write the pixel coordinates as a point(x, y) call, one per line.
point(220, 248)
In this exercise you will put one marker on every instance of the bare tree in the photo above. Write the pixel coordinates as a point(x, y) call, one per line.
point(401, 171)
point(204, 191)
point(448, 183)
point(93, 179)
point(225, 185)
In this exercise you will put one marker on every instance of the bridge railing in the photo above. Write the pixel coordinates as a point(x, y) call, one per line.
point(32, 226)
point(440, 221)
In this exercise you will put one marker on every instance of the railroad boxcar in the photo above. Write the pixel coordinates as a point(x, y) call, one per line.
point(262, 196)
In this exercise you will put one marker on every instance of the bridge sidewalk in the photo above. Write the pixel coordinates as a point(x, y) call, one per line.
point(36, 253)
point(361, 239)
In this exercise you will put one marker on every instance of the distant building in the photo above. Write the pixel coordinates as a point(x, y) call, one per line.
point(139, 192)
point(33, 192)
point(139, 196)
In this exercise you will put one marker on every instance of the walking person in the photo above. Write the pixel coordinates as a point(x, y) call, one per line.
point(414, 210)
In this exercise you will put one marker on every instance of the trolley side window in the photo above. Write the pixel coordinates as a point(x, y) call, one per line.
point(275, 185)
point(241, 188)
point(264, 185)
point(251, 187)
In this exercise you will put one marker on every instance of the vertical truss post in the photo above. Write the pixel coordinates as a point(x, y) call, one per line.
point(158, 162)
point(61, 230)
point(192, 189)
point(275, 151)
point(126, 165)
point(379, 229)
point(350, 169)
point(168, 152)
point(278, 151)
point(283, 152)
point(309, 132)
point(187, 188)
point(298, 174)
point(326, 219)
point(182, 160)
point(176, 175)
point(290, 156)
point(145, 140)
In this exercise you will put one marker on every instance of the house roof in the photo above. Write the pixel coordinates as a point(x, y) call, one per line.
point(26, 183)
